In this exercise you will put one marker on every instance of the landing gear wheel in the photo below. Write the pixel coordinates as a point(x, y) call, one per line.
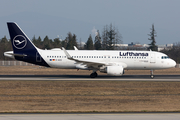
point(96, 74)
point(93, 75)
point(152, 76)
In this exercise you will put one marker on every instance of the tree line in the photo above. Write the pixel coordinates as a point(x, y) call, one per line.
point(110, 37)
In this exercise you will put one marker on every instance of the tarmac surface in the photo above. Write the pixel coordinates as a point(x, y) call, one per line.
point(87, 78)
point(103, 116)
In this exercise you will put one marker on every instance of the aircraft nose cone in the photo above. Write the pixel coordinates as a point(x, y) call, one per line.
point(173, 63)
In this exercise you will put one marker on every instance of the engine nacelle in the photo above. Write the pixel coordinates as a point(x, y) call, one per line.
point(115, 70)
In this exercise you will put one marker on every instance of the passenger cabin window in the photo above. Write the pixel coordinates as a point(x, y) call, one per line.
point(164, 57)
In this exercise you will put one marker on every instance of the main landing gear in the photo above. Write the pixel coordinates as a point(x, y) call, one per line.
point(94, 74)
point(152, 76)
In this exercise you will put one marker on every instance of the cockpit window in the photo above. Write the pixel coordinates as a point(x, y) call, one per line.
point(164, 57)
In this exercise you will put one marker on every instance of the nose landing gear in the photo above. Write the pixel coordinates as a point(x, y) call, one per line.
point(152, 76)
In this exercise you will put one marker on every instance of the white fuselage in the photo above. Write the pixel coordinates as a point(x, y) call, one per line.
point(128, 59)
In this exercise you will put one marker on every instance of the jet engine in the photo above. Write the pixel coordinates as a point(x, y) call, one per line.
point(113, 70)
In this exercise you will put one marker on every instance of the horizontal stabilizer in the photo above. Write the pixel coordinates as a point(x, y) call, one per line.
point(19, 55)
point(11, 54)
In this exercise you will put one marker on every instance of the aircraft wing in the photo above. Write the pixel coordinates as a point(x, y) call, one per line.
point(89, 64)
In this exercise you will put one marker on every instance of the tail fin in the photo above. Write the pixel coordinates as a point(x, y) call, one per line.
point(23, 48)
point(20, 42)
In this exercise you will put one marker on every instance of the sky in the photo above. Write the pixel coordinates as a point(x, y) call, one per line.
point(55, 18)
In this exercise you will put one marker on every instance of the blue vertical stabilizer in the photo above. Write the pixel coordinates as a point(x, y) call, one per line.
point(23, 48)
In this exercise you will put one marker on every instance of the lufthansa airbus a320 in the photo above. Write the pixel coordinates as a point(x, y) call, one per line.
point(112, 62)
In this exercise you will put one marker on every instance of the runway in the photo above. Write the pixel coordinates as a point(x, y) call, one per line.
point(87, 78)
point(115, 116)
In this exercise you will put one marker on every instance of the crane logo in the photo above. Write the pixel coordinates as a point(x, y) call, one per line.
point(19, 41)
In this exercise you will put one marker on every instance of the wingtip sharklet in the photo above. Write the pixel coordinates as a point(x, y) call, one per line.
point(75, 48)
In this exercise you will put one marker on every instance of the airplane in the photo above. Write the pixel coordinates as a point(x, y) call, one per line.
point(112, 62)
